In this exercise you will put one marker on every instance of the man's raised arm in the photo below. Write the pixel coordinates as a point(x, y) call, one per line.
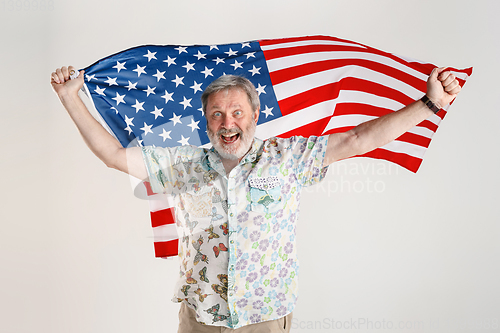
point(100, 141)
point(442, 88)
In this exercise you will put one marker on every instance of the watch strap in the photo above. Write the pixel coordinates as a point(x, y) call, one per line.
point(430, 104)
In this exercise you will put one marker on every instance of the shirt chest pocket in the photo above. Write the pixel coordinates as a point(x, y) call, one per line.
point(198, 203)
point(265, 194)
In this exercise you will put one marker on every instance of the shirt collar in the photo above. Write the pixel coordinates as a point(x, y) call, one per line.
point(252, 154)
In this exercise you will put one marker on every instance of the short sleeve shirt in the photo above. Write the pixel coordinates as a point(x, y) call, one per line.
point(237, 248)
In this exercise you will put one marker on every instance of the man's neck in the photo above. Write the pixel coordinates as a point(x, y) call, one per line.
point(229, 164)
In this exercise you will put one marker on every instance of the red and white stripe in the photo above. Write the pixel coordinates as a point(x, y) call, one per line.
point(326, 85)
point(161, 206)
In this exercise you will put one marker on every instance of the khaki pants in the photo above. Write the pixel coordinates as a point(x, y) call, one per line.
point(188, 324)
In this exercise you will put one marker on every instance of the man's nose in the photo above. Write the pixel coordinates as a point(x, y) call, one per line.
point(228, 121)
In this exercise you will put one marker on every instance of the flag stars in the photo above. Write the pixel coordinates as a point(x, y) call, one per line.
point(138, 106)
point(186, 102)
point(150, 55)
point(176, 119)
point(129, 121)
point(184, 141)
point(188, 66)
point(167, 97)
point(150, 90)
point(147, 129)
point(100, 91)
point(119, 99)
point(207, 72)
point(255, 70)
point(170, 61)
point(111, 81)
point(250, 55)
point(238, 59)
point(231, 53)
point(158, 113)
point(193, 125)
point(268, 111)
point(119, 66)
point(213, 47)
point(181, 49)
point(159, 75)
point(131, 86)
point(236, 65)
point(260, 89)
point(165, 135)
point(200, 55)
point(218, 60)
point(140, 70)
point(178, 80)
point(196, 87)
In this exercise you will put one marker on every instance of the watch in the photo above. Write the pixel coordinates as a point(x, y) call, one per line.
point(430, 104)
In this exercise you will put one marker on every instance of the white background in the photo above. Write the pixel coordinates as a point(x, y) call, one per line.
point(419, 250)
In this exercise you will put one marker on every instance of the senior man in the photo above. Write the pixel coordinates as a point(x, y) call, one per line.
point(237, 203)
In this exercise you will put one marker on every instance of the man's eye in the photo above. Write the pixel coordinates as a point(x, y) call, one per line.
point(238, 113)
point(217, 114)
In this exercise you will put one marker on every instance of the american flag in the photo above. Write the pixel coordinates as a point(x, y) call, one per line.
point(315, 85)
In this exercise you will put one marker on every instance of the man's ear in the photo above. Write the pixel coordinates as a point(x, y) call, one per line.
point(256, 115)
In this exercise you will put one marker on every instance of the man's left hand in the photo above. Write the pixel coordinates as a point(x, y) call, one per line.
point(442, 87)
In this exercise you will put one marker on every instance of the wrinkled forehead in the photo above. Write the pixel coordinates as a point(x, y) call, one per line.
point(231, 97)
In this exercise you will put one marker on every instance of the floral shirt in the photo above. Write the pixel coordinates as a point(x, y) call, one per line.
point(237, 248)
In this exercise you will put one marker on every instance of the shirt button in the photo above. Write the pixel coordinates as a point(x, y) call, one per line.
point(232, 242)
point(231, 214)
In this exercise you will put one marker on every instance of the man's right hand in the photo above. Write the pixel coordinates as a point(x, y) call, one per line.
point(62, 84)
point(103, 144)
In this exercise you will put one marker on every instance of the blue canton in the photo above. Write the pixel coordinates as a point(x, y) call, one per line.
point(150, 95)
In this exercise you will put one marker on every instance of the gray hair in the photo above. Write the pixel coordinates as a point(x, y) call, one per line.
point(232, 82)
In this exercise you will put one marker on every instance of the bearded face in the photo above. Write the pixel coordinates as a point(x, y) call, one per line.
point(231, 123)
point(232, 143)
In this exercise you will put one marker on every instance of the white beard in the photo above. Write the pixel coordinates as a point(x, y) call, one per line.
point(229, 152)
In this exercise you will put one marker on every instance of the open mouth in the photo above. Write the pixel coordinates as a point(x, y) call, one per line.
point(229, 137)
